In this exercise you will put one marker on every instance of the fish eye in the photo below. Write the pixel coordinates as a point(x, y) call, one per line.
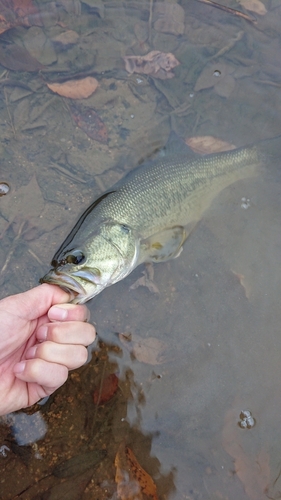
point(76, 257)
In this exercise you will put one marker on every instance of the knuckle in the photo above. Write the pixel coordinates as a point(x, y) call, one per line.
point(90, 334)
point(64, 375)
point(82, 355)
point(54, 333)
point(43, 350)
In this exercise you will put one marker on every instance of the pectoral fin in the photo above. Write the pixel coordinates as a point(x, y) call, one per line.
point(163, 246)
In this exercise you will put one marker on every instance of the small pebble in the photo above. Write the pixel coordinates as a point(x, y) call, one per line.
point(245, 203)
point(4, 188)
point(247, 421)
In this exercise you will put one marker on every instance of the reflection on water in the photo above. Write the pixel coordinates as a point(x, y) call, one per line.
point(189, 355)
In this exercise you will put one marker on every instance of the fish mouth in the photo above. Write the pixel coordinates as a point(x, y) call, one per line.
point(69, 284)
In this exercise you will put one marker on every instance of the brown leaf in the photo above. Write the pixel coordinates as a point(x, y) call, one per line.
point(155, 63)
point(225, 86)
point(22, 9)
point(18, 13)
point(107, 390)
point(254, 6)
point(17, 58)
point(169, 18)
point(253, 471)
point(146, 280)
point(69, 37)
point(90, 122)
point(75, 89)
point(133, 482)
point(207, 144)
point(218, 76)
point(243, 282)
point(150, 350)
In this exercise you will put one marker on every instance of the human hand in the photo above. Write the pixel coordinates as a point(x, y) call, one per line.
point(42, 337)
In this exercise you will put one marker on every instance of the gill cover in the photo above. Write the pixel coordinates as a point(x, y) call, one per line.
point(106, 256)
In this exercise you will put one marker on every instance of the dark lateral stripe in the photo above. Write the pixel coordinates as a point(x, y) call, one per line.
point(78, 224)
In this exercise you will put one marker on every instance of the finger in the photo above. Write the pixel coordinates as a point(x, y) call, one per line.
point(37, 301)
point(71, 356)
point(49, 375)
point(69, 312)
point(73, 332)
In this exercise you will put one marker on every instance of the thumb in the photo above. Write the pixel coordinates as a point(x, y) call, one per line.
point(37, 301)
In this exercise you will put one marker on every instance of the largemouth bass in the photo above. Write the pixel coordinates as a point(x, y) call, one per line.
point(147, 216)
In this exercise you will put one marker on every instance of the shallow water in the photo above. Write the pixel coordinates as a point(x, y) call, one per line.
point(192, 357)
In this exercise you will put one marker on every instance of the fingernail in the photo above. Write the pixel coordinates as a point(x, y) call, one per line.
point(42, 333)
point(30, 353)
point(57, 313)
point(19, 367)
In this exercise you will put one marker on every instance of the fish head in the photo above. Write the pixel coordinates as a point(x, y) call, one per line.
point(105, 257)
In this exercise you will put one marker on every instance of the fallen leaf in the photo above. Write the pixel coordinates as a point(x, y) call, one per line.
point(141, 31)
point(95, 6)
point(107, 390)
point(218, 76)
point(207, 144)
point(155, 63)
point(18, 13)
point(75, 89)
point(69, 37)
point(146, 280)
point(254, 6)
point(169, 18)
point(24, 10)
point(17, 58)
point(243, 283)
point(146, 350)
point(253, 471)
point(225, 86)
point(133, 482)
point(90, 122)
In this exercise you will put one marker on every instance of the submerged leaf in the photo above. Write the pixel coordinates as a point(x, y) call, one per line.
point(79, 463)
point(207, 144)
point(69, 37)
point(169, 18)
point(155, 63)
point(107, 390)
point(17, 58)
point(146, 350)
point(254, 6)
point(219, 76)
point(75, 89)
point(133, 482)
point(90, 122)
point(252, 470)
point(18, 13)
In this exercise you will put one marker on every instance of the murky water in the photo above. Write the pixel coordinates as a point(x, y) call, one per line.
point(193, 363)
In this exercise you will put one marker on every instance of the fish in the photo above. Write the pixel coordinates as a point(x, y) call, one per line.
point(148, 215)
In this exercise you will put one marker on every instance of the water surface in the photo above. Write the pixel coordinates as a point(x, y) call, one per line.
point(196, 356)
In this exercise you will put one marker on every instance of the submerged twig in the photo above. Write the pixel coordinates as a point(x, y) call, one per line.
point(35, 257)
point(9, 114)
point(268, 82)
point(230, 11)
point(229, 46)
point(13, 247)
point(150, 20)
